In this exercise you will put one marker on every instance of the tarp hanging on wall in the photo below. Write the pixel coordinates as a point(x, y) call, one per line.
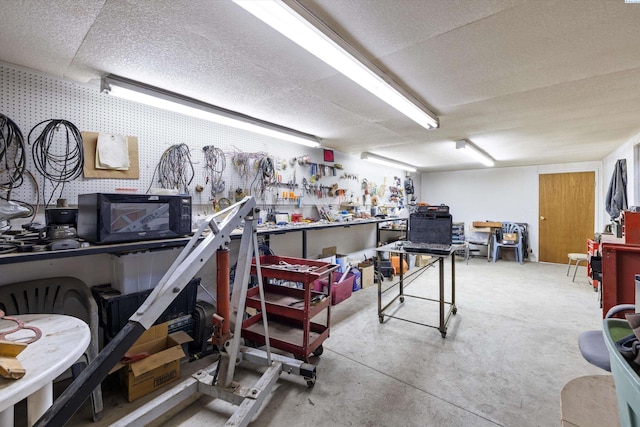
point(616, 200)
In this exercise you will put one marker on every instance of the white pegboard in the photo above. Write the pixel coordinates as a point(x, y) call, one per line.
point(29, 98)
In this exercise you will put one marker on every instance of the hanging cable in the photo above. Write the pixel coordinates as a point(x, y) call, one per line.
point(57, 163)
point(12, 155)
point(265, 176)
point(175, 169)
point(215, 164)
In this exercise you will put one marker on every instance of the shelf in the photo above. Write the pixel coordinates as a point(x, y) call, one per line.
point(285, 335)
point(284, 301)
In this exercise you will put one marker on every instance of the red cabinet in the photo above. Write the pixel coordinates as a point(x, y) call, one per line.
point(620, 264)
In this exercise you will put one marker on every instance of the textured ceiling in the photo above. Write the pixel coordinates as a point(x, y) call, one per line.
point(529, 82)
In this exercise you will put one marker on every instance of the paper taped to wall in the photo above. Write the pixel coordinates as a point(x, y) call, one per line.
point(112, 152)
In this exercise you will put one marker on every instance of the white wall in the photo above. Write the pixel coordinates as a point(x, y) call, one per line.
point(498, 194)
point(625, 151)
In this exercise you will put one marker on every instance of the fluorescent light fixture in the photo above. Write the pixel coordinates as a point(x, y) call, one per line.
point(474, 152)
point(298, 24)
point(160, 98)
point(387, 162)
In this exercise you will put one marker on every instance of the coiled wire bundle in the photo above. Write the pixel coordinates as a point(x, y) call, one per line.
point(57, 162)
point(175, 169)
point(214, 166)
point(265, 176)
point(12, 155)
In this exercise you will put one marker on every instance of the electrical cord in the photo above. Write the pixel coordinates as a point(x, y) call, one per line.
point(12, 155)
point(215, 164)
point(175, 169)
point(265, 176)
point(59, 163)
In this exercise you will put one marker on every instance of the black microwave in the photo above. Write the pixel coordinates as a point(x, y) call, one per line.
point(114, 218)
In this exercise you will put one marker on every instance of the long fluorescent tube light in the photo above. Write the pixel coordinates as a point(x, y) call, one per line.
point(156, 97)
point(387, 162)
point(298, 24)
point(474, 152)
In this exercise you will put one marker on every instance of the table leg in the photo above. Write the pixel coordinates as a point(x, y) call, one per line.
point(453, 282)
point(38, 403)
point(6, 417)
point(442, 329)
point(379, 277)
point(401, 266)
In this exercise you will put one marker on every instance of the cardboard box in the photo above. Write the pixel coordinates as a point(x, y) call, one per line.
point(509, 237)
point(340, 259)
point(422, 260)
point(366, 273)
point(160, 368)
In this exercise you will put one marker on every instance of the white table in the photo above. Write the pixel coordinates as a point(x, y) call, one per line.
point(64, 339)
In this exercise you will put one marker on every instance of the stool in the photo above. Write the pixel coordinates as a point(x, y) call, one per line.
point(578, 258)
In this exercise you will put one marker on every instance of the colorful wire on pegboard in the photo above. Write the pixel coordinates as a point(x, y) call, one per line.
point(175, 169)
point(214, 166)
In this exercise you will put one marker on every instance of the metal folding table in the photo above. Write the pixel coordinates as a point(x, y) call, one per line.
point(446, 308)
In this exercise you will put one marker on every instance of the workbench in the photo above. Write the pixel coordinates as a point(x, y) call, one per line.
point(446, 308)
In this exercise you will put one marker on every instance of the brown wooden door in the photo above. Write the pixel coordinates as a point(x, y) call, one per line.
point(566, 216)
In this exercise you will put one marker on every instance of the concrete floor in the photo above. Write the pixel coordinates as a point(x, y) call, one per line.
point(508, 353)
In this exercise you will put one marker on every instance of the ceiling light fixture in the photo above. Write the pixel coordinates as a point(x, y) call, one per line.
point(160, 98)
point(298, 24)
point(473, 151)
point(387, 162)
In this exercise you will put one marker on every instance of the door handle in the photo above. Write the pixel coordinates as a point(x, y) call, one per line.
point(542, 218)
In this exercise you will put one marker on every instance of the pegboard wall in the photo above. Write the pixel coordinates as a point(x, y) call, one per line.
point(30, 98)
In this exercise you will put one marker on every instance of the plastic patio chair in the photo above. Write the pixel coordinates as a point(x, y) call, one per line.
point(516, 245)
point(57, 295)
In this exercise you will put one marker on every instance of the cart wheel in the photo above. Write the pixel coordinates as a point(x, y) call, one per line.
point(311, 381)
point(401, 299)
point(381, 318)
point(318, 351)
point(455, 310)
point(444, 334)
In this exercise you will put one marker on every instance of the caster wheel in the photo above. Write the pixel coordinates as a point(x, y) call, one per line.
point(595, 289)
point(454, 311)
point(444, 334)
point(310, 382)
point(318, 351)
point(381, 319)
point(401, 299)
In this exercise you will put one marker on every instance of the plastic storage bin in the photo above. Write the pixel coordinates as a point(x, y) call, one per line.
point(114, 308)
point(626, 378)
point(139, 271)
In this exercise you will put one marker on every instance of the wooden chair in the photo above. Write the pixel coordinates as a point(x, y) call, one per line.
point(57, 295)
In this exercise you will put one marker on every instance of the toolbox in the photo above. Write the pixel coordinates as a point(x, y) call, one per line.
point(431, 226)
